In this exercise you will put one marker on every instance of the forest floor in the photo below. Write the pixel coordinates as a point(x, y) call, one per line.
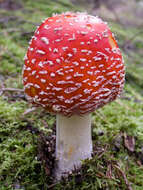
point(27, 134)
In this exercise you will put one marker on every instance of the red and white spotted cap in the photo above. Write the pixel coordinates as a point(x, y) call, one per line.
point(73, 65)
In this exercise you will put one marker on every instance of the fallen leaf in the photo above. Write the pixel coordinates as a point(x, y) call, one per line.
point(129, 142)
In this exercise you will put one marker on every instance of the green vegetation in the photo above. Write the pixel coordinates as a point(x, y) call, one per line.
point(117, 128)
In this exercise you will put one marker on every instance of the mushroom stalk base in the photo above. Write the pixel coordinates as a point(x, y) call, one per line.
point(73, 143)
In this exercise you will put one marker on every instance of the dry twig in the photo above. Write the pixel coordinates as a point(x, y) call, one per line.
point(29, 111)
point(12, 90)
point(124, 177)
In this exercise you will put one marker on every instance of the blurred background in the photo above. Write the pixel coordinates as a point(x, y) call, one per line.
point(117, 127)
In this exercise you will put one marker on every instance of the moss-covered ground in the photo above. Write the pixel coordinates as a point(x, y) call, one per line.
point(117, 128)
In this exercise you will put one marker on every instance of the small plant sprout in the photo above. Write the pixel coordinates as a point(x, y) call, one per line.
point(73, 66)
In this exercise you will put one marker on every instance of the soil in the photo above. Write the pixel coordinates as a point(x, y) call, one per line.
point(46, 151)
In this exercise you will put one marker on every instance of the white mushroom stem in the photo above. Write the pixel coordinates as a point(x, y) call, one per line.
point(73, 143)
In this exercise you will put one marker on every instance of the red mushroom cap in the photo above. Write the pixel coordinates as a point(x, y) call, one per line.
point(73, 65)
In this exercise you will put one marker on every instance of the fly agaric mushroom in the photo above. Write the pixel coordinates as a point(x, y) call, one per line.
point(72, 67)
